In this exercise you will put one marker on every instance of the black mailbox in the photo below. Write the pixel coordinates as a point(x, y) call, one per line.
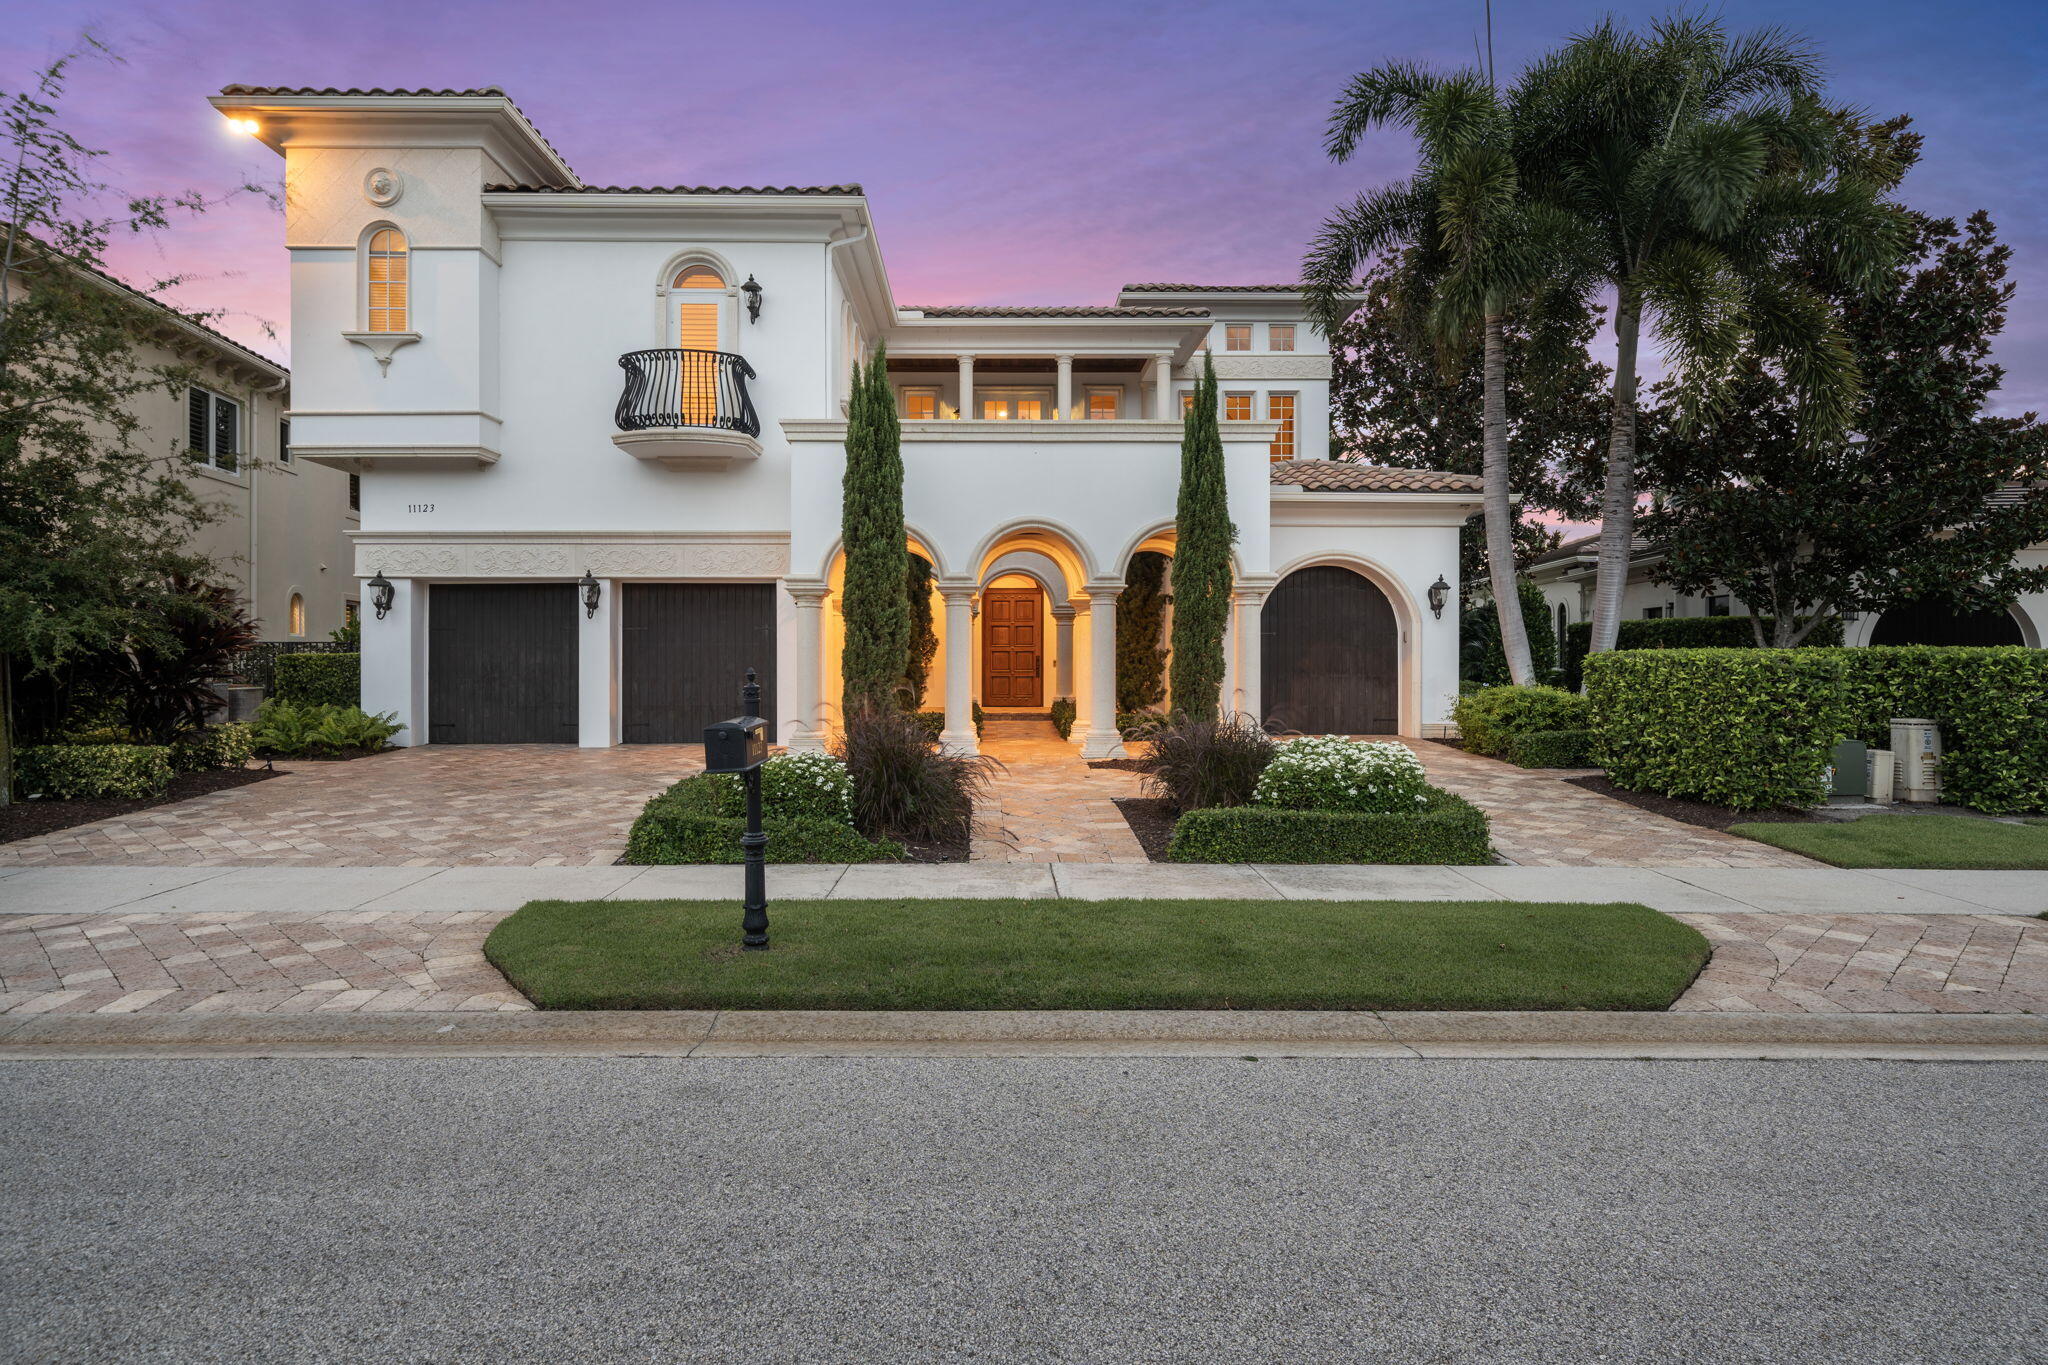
point(735, 746)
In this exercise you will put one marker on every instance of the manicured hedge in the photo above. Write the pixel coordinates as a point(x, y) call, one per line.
point(319, 679)
point(1747, 728)
point(685, 825)
point(1991, 704)
point(1447, 830)
point(1489, 720)
point(85, 772)
point(258, 663)
point(1681, 632)
point(1551, 749)
point(1063, 715)
point(216, 746)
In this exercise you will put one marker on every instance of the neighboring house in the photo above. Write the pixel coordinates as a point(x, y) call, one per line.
point(282, 537)
point(1566, 574)
point(600, 433)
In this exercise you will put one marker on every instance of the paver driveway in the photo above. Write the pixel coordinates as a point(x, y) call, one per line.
point(510, 805)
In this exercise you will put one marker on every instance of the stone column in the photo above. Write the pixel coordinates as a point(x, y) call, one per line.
point(958, 737)
point(1162, 387)
point(1063, 649)
point(807, 735)
point(1246, 606)
point(1066, 389)
point(966, 386)
point(1101, 739)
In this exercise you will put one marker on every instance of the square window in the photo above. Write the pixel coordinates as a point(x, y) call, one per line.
point(1653, 613)
point(1280, 408)
point(1237, 407)
point(1237, 336)
point(921, 405)
point(213, 430)
point(1717, 604)
point(1280, 337)
point(1187, 404)
point(1104, 405)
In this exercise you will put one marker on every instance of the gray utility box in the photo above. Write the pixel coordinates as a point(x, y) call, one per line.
point(1916, 756)
point(1849, 772)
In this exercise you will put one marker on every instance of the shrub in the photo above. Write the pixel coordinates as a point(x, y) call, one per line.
point(258, 663)
point(1200, 763)
point(165, 685)
point(1746, 728)
point(793, 787)
point(216, 746)
point(86, 772)
point(934, 722)
point(1481, 657)
point(1064, 713)
point(319, 679)
point(1330, 772)
point(1551, 749)
point(1443, 829)
point(1681, 632)
point(904, 785)
point(1991, 704)
point(683, 825)
point(284, 730)
point(1490, 718)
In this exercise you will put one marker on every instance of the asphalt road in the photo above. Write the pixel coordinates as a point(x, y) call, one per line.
point(897, 1210)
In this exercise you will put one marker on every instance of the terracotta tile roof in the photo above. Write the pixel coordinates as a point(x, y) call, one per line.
point(1212, 289)
point(673, 189)
point(290, 90)
point(1349, 476)
point(1057, 311)
point(152, 302)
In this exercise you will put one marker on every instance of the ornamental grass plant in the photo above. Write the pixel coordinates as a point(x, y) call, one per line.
point(904, 785)
point(1198, 764)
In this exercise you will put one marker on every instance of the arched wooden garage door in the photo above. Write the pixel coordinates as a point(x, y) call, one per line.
point(1330, 655)
point(1937, 623)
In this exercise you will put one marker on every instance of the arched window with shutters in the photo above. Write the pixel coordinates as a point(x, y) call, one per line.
point(387, 280)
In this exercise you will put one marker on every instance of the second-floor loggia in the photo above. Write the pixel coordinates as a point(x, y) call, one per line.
point(687, 409)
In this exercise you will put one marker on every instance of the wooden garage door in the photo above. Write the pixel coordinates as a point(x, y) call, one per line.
point(501, 663)
point(686, 650)
point(1330, 656)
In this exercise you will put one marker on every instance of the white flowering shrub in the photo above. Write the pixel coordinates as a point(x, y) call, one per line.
point(1330, 772)
point(794, 785)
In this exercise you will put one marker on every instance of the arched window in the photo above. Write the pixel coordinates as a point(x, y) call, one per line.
point(697, 318)
point(389, 278)
point(298, 614)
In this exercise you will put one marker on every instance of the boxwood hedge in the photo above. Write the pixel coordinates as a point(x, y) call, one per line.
point(1680, 632)
point(319, 679)
point(1488, 720)
point(1449, 829)
point(685, 825)
point(87, 772)
point(1551, 749)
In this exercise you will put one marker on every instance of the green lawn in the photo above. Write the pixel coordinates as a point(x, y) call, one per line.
point(1955, 842)
point(1135, 954)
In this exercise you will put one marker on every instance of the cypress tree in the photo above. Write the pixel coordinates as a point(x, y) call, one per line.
point(1201, 560)
point(1140, 612)
point(877, 607)
point(924, 637)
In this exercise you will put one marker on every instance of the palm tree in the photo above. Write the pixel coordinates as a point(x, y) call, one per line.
point(1702, 165)
point(1473, 247)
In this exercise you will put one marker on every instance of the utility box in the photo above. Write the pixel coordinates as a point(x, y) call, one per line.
point(1849, 772)
point(1881, 777)
point(1916, 754)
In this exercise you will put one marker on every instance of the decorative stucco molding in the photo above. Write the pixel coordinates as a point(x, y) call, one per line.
point(1307, 366)
point(569, 554)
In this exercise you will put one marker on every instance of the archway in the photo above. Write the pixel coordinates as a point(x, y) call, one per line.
point(1330, 655)
point(1938, 623)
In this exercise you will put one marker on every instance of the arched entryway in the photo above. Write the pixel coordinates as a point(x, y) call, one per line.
point(1937, 623)
point(1330, 655)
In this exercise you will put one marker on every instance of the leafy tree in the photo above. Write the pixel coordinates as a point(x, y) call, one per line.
point(876, 659)
point(1140, 619)
point(1397, 398)
point(924, 638)
point(164, 682)
point(1696, 163)
point(1480, 657)
point(93, 526)
point(1805, 529)
point(1474, 247)
point(1203, 535)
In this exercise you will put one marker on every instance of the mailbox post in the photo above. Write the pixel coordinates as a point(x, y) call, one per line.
point(739, 746)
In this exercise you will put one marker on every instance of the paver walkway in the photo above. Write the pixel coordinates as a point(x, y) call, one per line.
point(511, 805)
point(376, 961)
point(1047, 806)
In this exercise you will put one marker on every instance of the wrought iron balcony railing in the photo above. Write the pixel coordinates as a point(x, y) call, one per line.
point(674, 388)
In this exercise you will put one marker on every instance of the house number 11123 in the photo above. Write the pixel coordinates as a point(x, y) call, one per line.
point(419, 507)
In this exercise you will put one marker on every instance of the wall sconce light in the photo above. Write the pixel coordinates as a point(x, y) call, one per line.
point(591, 591)
point(1439, 593)
point(752, 289)
point(381, 593)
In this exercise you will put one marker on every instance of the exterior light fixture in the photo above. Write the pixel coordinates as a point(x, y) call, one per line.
point(1439, 593)
point(752, 289)
point(381, 593)
point(591, 591)
point(245, 125)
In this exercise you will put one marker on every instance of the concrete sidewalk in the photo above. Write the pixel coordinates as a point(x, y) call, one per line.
point(283, 891)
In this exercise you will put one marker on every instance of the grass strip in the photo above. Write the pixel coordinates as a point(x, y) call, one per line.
point(1952, 842)
point(935, 954)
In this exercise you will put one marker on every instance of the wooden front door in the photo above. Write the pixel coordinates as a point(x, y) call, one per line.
point(1012, 647)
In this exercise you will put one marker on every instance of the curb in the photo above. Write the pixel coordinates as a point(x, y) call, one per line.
point(1024, 1033)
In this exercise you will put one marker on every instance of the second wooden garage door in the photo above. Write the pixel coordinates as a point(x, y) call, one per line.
point(687, 648)
point(1330, 661)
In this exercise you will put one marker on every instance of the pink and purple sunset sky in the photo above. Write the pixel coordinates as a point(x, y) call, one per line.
point(1044, 154)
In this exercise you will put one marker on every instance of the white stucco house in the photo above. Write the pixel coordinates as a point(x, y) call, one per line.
point(600, 436)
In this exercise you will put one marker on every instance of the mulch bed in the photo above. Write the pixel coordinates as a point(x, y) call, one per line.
point(1701, 813)
point(1151, 820)
point(955, 852)
point(26, 819)
point(1123, 765)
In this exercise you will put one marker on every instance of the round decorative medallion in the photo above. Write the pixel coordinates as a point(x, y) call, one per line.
point(382, 187)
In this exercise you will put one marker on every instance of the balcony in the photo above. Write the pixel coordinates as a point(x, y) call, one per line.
point(687, 409)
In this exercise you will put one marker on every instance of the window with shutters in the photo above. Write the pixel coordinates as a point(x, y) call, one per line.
point(388, 282)
point(213, 430)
